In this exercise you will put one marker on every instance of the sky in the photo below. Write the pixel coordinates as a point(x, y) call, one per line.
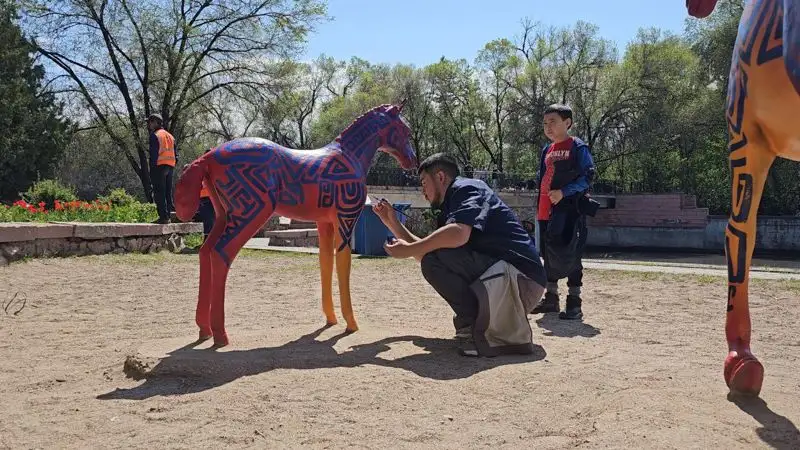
point(420, 32)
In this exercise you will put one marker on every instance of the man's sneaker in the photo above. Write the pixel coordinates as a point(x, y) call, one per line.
point(546, 305)
point(573, 309)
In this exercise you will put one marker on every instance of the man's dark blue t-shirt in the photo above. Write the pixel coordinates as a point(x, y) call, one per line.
point(496, 230)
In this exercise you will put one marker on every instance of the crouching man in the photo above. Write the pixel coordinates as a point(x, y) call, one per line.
point(480, 259)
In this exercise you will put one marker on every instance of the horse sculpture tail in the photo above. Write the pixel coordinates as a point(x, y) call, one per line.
point(187, 191)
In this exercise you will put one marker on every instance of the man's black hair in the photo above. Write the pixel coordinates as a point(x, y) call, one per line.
point(440, 161)
point(563, 111)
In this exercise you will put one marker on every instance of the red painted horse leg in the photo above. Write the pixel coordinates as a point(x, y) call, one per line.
point(203, 311)
point(343, 260)
point(325, 232)
point(220, 265)
point(750, 165)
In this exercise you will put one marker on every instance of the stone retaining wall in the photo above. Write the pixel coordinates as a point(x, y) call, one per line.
point(23, 240)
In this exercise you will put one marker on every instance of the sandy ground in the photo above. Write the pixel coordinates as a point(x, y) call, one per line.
point(644, 370)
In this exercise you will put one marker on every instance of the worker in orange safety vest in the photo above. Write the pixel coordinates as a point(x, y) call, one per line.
point(163, 157)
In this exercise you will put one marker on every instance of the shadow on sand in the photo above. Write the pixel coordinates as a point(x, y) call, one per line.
point(190, 370)
point(565, 328)
point(776, 430)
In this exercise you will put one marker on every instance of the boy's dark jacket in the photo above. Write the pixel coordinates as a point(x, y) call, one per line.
point(573, 175)
point(566, 232)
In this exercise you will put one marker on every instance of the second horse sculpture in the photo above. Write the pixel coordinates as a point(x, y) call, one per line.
point(251, 179)
point(763, 124)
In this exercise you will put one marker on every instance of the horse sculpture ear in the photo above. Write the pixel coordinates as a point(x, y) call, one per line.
point(394, 110)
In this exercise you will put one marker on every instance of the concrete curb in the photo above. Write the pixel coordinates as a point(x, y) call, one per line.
point(31, 231)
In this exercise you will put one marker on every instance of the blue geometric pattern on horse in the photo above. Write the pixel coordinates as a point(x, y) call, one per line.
point(291, 193)
point(772, 35)
point(791, 41)
point(763, 23)
point(265, 169)
point(748, 33)
point(242, 203)
point(252, 151)
point(350, 200)
point(260, 177)
point(357, 140)
point(327, 194)
point(737, 94)
point(337, 171)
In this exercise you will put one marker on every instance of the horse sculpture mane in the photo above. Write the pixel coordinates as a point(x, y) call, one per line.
point(250, 179)
point(763, 124)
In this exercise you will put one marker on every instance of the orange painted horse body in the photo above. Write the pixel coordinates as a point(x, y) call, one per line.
point(251, 179)
point(763, 115)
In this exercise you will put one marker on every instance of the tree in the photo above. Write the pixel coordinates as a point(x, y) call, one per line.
point(126, 59)
point(455, 97)
point(33, 133)
point(496, 58)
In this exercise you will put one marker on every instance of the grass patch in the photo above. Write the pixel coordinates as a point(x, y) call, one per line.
point(792, 286)
point(274, 254)
point(703, 279)
point(139, 259)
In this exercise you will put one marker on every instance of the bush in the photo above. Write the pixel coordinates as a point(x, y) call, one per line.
point(47, 192)
point(78, 211)
point(118, 197)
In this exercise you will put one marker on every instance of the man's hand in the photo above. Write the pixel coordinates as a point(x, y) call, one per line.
point(399, 248)
point(385, 212)
point(556, 196)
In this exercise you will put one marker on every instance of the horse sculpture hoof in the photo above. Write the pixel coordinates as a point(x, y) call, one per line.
point(204, 337)
point(744, 375)
point(220, 341)
point(351, 328)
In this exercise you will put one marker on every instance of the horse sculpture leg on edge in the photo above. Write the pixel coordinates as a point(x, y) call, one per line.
point(250, 179)
point(763, 114)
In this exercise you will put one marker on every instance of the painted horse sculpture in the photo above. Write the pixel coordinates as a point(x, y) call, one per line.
point(251, 179)
point(763, 115)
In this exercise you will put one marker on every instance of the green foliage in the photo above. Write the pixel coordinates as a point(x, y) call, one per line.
point(193, 240)
point(48, 191)
point(33, 132)
point(78, 211)
point(118, 197)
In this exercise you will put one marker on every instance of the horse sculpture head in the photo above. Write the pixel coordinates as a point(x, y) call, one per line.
point(395, 138)
point(700, 8)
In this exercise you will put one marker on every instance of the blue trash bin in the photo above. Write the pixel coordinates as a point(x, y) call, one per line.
point(370, 233)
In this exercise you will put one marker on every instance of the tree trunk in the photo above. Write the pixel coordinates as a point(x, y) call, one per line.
point(144, 175)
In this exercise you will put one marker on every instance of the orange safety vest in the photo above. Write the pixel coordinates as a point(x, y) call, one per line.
point(166, 148)
point(204, 191)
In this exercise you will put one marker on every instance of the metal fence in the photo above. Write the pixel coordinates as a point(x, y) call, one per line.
point(395, 177)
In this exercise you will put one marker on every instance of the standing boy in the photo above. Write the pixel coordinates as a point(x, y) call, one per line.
point(565, 171)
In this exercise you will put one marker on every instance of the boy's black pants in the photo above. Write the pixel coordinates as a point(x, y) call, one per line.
point(206, 215)
point(575, 278)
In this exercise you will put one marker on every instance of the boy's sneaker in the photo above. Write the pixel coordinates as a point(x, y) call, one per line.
point(547, 304)
point(573, 309)
point(464, 333)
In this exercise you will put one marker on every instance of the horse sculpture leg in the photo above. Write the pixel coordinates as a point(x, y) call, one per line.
point(325, 232)
point(222, 253)
point(750, 165)
point(343, 265)
point(203, 311)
